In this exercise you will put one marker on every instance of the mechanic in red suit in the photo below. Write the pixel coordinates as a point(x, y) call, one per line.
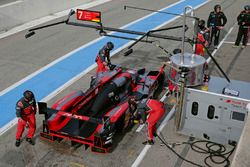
point(149, 111)
point(203, 38)
point(103, 57)
point(25, 112)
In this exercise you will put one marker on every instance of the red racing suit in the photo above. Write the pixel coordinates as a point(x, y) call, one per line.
point(203, 37)
point(103, 54)
point(25, 112)
point(151, 112)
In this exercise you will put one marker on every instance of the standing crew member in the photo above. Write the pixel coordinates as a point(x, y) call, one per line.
point(103, 57)
point(150, 111)
point(203, 37)
point(244, 25)
point(25, 112)
point(216, 22)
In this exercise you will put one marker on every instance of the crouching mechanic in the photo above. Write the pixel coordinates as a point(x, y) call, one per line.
point(25, 112)
point(103, 57)
point(150, 111)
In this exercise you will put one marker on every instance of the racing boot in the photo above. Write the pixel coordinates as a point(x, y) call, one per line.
point(150, 142)
point(30, 141)
point(18, 142)
point(235, 46)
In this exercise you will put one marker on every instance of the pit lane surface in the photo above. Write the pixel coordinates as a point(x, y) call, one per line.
point(55, 75)
point(44, 154)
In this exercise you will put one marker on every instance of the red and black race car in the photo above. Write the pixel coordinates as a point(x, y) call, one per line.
point(92, 117)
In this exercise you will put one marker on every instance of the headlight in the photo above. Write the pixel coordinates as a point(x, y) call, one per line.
point(106, 121)
point(108, 141)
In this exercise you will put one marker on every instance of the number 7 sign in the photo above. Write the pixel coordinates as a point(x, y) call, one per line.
point(87, 15)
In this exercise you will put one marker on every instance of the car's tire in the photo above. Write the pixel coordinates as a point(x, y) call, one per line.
point(119, 125)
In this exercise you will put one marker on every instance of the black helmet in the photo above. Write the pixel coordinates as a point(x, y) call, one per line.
point(201, 24)
point(28, 95)
point(247, 7)
point(217, 6)
point(110, 45)
point(176, 51)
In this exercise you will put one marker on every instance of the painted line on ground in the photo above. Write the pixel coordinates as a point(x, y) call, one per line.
point(170, 114)
point(159, 129)
point(45, 19)
point(70, 53)
point(220, 44)
point(231, 42)
point(162, 100)
point(140, 128)
point(13, 122)
point(79, 49)
point(11, 3)
point(142, 154)
point(76, 164)
point(165, 121)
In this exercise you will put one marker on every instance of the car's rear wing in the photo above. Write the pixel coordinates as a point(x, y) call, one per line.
point(97, 144)
point(43, 109)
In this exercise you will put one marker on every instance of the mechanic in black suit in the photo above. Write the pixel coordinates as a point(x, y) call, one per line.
point(216, 22)
point(244, 26)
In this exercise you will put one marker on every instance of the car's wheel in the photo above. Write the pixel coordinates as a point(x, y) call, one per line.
point(120, 124)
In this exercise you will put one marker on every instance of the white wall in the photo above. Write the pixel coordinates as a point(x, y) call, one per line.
point(23, 11)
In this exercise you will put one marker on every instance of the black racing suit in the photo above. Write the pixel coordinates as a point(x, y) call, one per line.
point(244, 25)
point(215, 20)
point(104, 54)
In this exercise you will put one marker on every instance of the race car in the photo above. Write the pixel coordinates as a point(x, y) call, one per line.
point(93, 117)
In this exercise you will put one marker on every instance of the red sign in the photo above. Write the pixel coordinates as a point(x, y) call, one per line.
point(87, 15)
point(234, 102)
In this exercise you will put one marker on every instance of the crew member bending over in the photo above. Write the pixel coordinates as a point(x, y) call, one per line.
point(103, 57)
point(149, 111)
